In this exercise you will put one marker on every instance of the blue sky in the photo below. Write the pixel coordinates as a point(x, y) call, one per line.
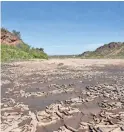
point(65, 27)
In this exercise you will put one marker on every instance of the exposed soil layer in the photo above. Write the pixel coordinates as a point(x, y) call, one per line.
point(63, 95)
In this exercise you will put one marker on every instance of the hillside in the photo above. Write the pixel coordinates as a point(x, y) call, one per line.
point(111, 50)
point(9, 38)
point(13, 47)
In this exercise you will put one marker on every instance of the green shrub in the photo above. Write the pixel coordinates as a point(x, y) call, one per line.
point(21, 51)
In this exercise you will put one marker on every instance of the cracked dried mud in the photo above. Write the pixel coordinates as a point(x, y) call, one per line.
point(63, 95)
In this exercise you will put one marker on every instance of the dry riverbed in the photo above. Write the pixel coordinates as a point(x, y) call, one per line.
point(63, 95)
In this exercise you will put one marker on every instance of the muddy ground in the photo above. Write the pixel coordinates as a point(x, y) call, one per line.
point(62, 95)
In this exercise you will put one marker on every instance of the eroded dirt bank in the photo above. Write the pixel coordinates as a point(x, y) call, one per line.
point(63, 95)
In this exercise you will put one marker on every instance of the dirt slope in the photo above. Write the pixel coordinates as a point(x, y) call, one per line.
point(9, 38)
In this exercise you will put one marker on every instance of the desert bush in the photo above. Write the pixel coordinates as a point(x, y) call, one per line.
point(21, 51)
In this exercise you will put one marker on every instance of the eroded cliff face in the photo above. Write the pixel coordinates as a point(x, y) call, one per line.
point(9, 38)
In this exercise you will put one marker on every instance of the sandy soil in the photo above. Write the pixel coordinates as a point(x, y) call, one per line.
point(63, 95)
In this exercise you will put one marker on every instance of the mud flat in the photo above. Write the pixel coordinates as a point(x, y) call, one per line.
point(63, 95)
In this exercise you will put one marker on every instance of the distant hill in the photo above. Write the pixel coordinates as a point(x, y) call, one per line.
point(111, 50)
point(62, 56)
point(13, 47)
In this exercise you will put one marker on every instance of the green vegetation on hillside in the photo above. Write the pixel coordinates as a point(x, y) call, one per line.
point(21, 51)
point(13, 47)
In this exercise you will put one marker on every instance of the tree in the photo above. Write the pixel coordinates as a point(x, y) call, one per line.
point(40, 49)
point(16, 33)
point(4, 29)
